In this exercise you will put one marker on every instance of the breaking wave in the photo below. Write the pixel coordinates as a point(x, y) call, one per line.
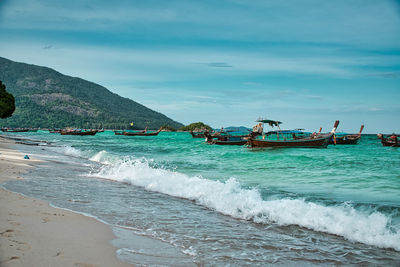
point(229, 198)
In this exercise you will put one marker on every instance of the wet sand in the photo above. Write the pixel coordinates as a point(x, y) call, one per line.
point(34, 234)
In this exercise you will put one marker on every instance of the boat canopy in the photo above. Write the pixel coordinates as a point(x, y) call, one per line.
point(287, 132)
point(270, 122)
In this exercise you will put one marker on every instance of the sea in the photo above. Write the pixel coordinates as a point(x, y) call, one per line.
point(173, 200)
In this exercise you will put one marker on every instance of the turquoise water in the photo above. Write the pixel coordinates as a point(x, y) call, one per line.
point(230, 205)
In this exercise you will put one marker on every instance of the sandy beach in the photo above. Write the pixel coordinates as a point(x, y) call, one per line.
point(34, 234)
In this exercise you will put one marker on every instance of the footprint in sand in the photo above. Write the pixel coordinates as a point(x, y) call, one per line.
point(45, 220)
point(7, 233)
point(15, 223)
point(10, 259)
point(12, 222)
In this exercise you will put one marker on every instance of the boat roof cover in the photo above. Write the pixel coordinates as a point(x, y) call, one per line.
point(288, 132)
point(270, 122)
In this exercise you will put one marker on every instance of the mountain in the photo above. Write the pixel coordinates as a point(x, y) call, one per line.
point(48, 99)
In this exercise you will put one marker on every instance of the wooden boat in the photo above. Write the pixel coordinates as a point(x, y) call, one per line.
point(227, 139)
point(312, 141)
point(16, 130)
point(78, 132)
point(54, 130)
point(349, 139)
point(392, 141)
point(142, 133)
point(119, 132)
point(203, 134)
point(197, 134)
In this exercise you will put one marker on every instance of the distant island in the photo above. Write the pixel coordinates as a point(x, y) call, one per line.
point(48, 99)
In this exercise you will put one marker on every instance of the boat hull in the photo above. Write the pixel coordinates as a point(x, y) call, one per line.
point(319, 142)
point(390, 143)
point(197, 135)
point(79, 133)
point(141, 134)
point(231, 143)
point(345, 140)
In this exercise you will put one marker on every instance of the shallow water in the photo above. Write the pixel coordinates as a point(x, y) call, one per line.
point(227, 205)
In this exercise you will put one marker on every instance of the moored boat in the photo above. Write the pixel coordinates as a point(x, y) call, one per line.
point(348, 139)
point(202, 134)
point(15, 130)
point(227, 139)
point(281, 140)
point(56, 130)
point(78, 132)
point(142, 133)
point(197, 134)
point(392, 141)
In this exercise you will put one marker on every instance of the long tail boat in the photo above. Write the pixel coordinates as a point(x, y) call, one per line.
point(119, 132)
point(78, 132)
point(197, 134)
point(202, 134)
point(235, 140)
point(349, 139)
point(142, 133)
point(312, 141)
point(392, 141)
point(17, 130)
point(54, 130)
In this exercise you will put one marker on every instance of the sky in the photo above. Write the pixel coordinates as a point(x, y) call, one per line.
point(227, 62)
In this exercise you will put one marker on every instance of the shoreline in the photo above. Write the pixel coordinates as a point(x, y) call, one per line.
point(34, 233)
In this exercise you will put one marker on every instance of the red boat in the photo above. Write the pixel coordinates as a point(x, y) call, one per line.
point(312, 141)
point(392, 141)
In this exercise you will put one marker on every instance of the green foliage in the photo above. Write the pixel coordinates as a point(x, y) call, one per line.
point(196, 126)
point(48, 99)
point(168, 128)
point(7, 102)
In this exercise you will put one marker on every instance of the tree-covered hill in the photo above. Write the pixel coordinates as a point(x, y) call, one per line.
point(48, 99)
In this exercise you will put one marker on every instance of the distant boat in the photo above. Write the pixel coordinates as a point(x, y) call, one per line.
point(16, 130)
point(54, 130)
point(142, 133)
point(282, 140)
point(392, 141)
point(78, 132)
point(119, 132)
point(348, 139)
point(197, 134)
point(227, 139)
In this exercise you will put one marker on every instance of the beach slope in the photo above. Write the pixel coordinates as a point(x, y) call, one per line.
point(34, 234)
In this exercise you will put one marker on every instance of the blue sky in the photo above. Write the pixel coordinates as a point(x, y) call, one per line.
point(305, 63)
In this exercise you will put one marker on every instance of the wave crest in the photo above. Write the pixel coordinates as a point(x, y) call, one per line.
point(229, 198)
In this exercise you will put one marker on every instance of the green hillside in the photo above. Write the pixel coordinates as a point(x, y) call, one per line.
point(46, 98)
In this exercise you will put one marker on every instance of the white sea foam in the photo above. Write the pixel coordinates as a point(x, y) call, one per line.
point(100, 157)
point(372, 228)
